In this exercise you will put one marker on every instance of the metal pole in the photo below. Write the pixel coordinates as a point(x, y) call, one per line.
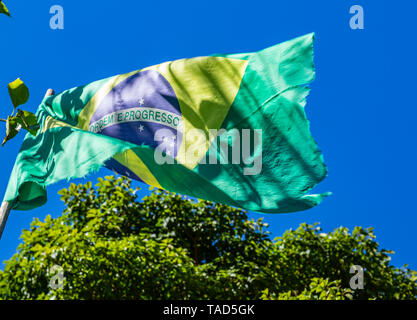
point(4, 214)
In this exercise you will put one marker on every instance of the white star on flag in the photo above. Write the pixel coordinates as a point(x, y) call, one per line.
point(141, 128)
point(141, 101)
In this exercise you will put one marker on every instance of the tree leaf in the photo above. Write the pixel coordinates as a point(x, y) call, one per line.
point(22, 120)
point(12, 129)
point(19, 93)
point(28, 121)
point(3, 9)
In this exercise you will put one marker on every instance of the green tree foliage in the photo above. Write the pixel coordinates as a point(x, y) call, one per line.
point(112, 246)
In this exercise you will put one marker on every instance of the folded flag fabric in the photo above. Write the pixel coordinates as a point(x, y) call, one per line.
point(226, 128)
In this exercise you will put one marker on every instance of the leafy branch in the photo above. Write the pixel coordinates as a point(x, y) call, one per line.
point(19, 94)
point(3, 9)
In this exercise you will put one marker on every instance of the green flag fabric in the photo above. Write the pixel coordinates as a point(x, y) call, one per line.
point(226, 128)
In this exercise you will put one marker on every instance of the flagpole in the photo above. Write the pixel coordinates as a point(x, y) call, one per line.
point(4, 214)
point(6, 207)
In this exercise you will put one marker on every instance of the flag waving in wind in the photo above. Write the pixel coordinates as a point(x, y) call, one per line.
point(226, 128)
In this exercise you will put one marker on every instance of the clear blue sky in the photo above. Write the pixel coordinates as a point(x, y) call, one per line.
point(362, 105)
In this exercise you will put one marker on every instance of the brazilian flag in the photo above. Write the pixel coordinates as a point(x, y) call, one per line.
point(226, 128)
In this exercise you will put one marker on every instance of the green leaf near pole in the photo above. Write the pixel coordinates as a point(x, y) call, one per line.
point(28, 121)
point(19, 93)
point(12, 129)
point(3, 9)
point(22, 120)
